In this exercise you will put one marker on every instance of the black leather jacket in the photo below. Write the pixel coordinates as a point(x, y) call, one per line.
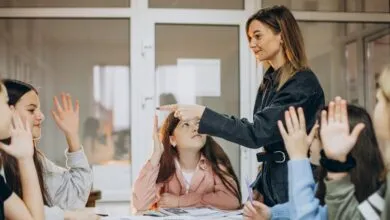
point(301, 90)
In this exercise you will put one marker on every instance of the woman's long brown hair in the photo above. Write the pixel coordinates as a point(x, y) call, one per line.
point(16, 89)
point(281, 21)
point(212, 151)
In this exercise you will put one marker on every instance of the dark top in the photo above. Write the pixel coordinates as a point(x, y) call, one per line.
point(301, 90)
point(5, 193)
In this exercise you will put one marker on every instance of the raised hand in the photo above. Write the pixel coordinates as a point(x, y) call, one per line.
point(21, 146)
point(66, 116)
point(158, 147)
point(184, 112)
point(67, 119)
point(335, 133)
point(296, 140)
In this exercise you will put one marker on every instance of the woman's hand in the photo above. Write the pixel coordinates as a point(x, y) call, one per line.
point(185, 112)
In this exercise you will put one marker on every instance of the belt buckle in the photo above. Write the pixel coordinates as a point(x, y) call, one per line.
point(284, 157)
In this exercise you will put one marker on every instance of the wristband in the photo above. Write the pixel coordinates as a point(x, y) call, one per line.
point(337, 166)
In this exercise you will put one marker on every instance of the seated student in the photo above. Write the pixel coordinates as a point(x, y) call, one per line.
point(341, 196)
point(22, 149)
point(306, 200)
point(63, 189)
point(186, 169)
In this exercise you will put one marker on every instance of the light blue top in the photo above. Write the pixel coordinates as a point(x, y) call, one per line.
point(302, 204)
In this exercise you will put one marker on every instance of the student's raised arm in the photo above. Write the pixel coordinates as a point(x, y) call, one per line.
point(145, 191)
point(22, 149)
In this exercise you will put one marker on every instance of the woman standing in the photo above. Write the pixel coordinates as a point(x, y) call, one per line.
point(275, 38)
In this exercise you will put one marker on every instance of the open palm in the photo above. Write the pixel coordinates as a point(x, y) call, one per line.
point(295, 138)
point(335, 132)
point(21, 146)
point(158, 146)
point(66, 116)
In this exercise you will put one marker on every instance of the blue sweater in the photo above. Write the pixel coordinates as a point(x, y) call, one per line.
point(302, 204)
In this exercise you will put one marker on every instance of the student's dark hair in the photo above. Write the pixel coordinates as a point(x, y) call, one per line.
point(16, 90)
point(212, 151)
point(369, 172)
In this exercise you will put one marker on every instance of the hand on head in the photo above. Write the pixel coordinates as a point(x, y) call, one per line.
point(184, 112)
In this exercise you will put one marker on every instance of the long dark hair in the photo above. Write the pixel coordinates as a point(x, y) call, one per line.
point(280, 20)
point(369, 172)
point(212, 151)
point(16, 89)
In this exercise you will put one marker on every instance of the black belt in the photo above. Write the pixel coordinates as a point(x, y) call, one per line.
point(276, 156)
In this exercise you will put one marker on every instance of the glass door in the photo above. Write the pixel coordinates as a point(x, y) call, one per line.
point(199, 64)
point(200, 60)
point(377, 55)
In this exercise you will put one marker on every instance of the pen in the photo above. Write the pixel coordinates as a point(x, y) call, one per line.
point(248, 185)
